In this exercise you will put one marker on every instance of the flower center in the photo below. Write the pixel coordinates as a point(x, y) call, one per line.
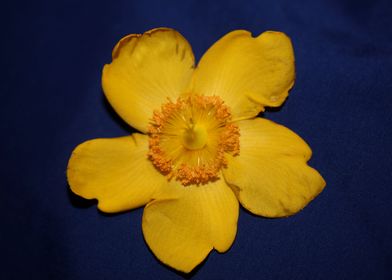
point(195, 137)
point(189, 139)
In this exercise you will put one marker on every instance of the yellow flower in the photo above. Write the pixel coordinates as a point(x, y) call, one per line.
point(202, 149)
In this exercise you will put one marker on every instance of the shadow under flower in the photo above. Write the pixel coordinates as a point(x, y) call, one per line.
point(273, 109)
point(78, 201)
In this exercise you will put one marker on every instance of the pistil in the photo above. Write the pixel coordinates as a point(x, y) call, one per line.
point(194, 137)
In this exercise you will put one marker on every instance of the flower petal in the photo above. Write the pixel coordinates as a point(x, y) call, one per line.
point(270, 176)
point(248, 73)
point(147, 70)
point(115, 171)
point(183, 225)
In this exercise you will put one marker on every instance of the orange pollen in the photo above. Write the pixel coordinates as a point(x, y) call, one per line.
point(189, 139)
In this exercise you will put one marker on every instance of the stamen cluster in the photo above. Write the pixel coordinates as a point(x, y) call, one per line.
point(206, 123)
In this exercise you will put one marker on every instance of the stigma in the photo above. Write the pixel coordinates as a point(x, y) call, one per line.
point(191, 137)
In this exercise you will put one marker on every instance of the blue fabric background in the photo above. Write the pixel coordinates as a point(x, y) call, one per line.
point(52, 54)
